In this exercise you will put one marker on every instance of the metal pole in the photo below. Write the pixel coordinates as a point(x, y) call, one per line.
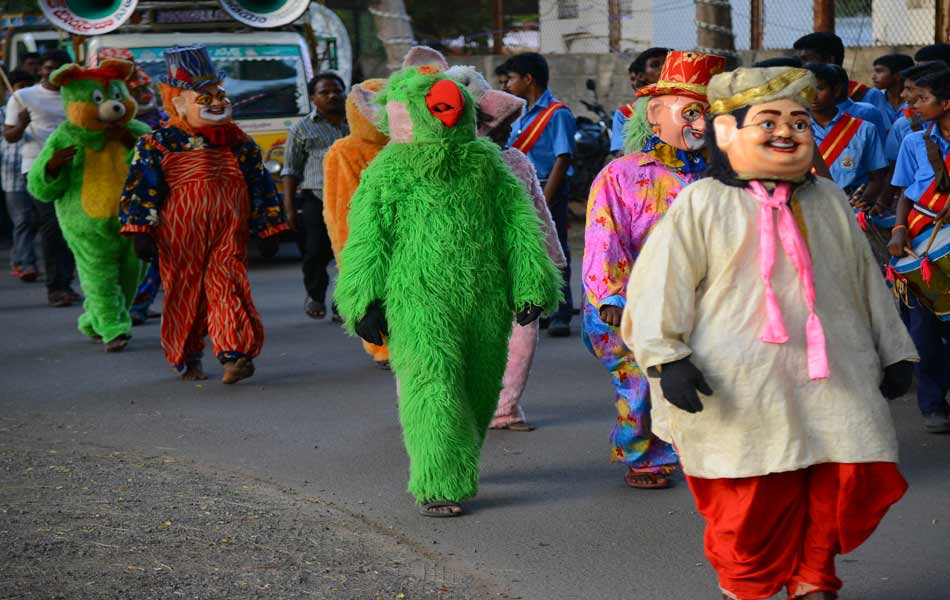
point(824, 13)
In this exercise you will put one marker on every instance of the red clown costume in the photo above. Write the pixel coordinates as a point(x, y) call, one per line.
point(195, 189)
point(758, 290)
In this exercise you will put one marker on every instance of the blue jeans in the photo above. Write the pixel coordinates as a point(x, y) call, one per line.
point(932, 338)
point(560, 215)
point(20, 207)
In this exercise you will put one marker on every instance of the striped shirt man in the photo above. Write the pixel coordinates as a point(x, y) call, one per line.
point(12, 177)
point(307, 144)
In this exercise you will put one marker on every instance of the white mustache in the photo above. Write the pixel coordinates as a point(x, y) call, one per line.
point(207, 115)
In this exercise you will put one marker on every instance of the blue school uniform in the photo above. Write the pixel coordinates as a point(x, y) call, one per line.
point(866, 112)
point(863, 154)
point(556, 140)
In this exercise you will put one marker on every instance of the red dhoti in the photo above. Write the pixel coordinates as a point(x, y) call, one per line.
point(202, 244)
point(785, 529)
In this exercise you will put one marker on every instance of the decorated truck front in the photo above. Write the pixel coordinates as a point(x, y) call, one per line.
point(267, 75)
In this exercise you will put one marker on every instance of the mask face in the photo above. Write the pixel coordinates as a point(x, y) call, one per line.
point(206, 107)
point(774, 142)
point(679, 121)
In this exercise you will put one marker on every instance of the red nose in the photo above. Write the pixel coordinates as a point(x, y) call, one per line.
point(445, 102)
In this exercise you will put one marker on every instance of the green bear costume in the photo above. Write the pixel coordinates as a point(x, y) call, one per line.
point(445, 243)
point(86, 190)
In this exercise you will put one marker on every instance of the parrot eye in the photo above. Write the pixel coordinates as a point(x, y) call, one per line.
point(97, 97)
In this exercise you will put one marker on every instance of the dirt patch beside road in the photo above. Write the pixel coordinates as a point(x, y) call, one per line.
point(79, 521)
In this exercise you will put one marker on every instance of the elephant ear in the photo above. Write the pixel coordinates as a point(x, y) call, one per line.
point(366, 104)
point(424, 56)
point(65, 74)
point(469, 77)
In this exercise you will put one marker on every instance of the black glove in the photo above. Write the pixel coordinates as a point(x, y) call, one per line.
point(372, 327)
point(145, 247)
point(897, 379)
point(528, 314)
point(268, 246)
point(679, 381)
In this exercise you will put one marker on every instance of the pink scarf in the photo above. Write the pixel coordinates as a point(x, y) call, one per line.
point(797, 251)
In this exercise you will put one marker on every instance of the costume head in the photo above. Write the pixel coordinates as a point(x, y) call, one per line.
point(139, 83)
point(363, 113)
point(96, 98)
point(192, 92)
point(760, 124)
point(423, 105)
point(677, 102)
point(497, 110)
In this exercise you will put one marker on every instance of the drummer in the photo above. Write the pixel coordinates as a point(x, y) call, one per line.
point(851, 147)
point(924, 200)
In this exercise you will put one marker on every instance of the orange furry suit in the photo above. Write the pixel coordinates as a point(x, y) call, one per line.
point(342, 167)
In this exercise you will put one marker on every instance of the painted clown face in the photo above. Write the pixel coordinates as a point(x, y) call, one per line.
point(773, 142)
point(207, 107)
point(679, 121)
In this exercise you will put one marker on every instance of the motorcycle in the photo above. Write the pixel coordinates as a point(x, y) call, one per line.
point(592, 145)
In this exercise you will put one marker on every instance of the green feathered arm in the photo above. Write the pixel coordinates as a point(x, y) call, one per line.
point(365, 259)
point(535, 279)
point(49, 189)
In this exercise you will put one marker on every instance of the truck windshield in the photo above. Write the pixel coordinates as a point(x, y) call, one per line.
point(263, 82)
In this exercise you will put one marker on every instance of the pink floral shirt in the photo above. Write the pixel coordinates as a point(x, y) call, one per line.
point(626, 200)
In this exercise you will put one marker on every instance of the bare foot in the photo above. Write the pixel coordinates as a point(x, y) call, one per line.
point(118, 344)
point(237, 370)
point(441, 508)
point(193, 372)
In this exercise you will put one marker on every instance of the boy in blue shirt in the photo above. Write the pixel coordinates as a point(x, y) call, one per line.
point(852, 148)
point(644, 70)
point(887, 78)
point(916, 212)
point(546, 134)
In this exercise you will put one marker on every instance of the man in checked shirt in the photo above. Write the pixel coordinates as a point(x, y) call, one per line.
point(307, 144)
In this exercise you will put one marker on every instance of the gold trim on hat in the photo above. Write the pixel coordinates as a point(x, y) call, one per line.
point(692, 87)
point(767, 89)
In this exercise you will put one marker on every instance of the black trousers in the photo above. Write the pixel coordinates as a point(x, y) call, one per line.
point(317, 249)
point(57, 257)
point(559, 215)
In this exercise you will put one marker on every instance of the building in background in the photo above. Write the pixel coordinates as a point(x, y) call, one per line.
point(582, 26)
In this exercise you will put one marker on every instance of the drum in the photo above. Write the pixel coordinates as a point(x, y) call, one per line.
point(877, 228)
point(927, 276)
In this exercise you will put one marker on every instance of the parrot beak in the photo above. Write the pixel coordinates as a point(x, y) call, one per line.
point(445, 102)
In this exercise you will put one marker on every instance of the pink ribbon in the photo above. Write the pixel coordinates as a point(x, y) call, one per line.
point(797, 251)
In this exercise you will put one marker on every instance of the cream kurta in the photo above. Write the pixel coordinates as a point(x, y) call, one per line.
point(696, 291)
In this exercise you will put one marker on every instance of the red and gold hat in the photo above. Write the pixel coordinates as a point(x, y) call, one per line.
point(685, 74)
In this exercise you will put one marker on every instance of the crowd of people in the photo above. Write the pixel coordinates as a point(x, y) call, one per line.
point(724, 237)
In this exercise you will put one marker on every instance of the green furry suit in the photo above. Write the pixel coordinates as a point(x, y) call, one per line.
point(86, 193)
point(444, 236)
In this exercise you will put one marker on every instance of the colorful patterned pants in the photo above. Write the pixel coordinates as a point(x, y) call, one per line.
point(631, 440)
point(202, 246)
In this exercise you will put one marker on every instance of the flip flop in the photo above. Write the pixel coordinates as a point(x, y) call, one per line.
point(646, 480)
point(428, 509)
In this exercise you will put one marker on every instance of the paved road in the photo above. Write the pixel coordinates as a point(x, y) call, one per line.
point(553, 519)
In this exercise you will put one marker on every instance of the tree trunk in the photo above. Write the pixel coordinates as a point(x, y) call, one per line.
point(394, 29)
point(714, 27)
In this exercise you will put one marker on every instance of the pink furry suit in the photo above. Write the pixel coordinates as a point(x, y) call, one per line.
point(524, 340)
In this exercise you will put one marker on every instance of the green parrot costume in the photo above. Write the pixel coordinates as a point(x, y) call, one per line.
point(87, 188)
point(444, 247)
